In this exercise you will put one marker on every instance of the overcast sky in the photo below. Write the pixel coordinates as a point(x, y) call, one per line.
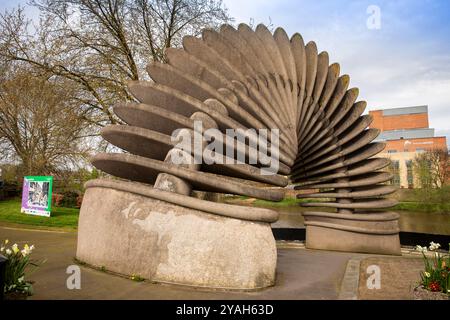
point(404, 63)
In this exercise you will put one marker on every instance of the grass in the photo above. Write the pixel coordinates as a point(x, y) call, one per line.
point(423, 207)
point(59, 218)
point(404, 206)
point(286, 202)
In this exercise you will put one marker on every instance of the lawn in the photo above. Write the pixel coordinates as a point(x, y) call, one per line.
point(59, 218)
point(423, 207)
point(286, 202)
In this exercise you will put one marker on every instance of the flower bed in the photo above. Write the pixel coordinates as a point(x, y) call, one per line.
point(436, 276)
point(16, 287)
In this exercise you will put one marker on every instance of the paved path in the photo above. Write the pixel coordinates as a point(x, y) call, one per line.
point(301, 274)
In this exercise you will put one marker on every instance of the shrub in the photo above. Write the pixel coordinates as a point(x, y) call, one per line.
point(18, 261)
point(69, 199)
point(56, 199)
point(79, 201)
point(436, 276)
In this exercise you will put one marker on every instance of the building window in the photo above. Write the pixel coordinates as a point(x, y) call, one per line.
point(395, 170)
point(409, 170)
point(392, 151)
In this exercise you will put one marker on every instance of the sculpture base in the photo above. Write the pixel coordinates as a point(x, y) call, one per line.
point(376, 233)
point(132, 234)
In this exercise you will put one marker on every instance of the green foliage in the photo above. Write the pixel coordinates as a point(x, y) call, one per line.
point(18, 262)
point(428, 200)
point(436, 276)
point(286, 202)
point(432, 195)
point(60, 217)
point(423, 207)
point(69, 199)
point(431, 168)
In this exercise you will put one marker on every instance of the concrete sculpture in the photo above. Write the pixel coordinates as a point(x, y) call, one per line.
point(241, 78)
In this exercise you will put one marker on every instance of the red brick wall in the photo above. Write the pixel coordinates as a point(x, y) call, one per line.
point(422, 143)
point(407, 121)
point(377, 119)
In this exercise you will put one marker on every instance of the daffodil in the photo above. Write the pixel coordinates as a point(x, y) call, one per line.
point(434, 246)
point(427, 274)
point(15, 248)
point(421, 249)
point(6, 241)
point(8, 251)
point(26, 250)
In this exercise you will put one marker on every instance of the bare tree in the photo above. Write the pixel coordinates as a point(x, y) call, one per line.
point(99, 45)
point(39, 124)
point(433, 168)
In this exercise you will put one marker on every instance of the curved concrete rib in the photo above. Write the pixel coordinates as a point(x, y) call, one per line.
point(145, 170)
point(251, 80)
point(226, 210)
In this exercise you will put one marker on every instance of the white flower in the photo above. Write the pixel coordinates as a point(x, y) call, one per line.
point(26, 250)
point(8, 252)
point(20, 279)
point(6, 241)
point(434, 246)
point(427, 274)
point(421, 249)
point(2, 249)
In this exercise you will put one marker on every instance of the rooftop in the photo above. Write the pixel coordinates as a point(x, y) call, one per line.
point(404, 110)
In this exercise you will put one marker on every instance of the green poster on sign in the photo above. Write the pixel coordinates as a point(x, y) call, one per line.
point(37, 195)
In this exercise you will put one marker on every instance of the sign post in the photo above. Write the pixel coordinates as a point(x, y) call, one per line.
point(37, 195)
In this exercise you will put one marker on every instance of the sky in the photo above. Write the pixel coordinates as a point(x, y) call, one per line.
point(405, 61)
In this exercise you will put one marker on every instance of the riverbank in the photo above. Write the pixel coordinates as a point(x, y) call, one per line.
point(410, 220)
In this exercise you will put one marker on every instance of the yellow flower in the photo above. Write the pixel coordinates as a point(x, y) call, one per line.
point(6, 241)
point(427, 274)
point(14, 248)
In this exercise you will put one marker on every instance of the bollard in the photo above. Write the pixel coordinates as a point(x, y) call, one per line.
point(3, 261)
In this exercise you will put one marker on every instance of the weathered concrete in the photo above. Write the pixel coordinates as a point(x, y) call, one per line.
point(365, 233)
point(132, 234)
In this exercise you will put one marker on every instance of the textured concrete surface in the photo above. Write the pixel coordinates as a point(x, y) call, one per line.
point(132, 234)
point(301, 274)
point(398, 277)
point(365, 233)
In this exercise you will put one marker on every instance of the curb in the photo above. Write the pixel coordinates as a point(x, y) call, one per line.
point(350, 281)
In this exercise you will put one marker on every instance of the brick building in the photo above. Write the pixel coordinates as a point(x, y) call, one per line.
point(406, 132)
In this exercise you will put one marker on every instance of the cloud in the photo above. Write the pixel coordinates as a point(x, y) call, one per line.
point(405, 63)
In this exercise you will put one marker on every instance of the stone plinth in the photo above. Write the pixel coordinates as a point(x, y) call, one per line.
point(365, 233)
point(133, 234)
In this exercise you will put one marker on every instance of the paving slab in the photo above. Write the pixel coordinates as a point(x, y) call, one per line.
point(301, 274)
